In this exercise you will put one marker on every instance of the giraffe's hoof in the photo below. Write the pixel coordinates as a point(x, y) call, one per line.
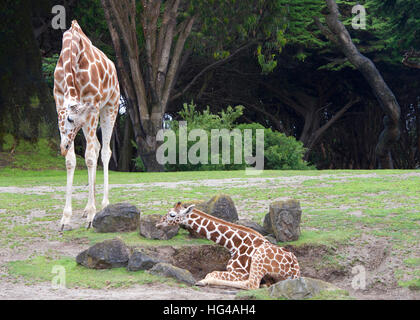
point(89, 225)
point(65, 227)
point(200, 284)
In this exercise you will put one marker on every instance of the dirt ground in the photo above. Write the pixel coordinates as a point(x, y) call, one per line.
point(370, 251)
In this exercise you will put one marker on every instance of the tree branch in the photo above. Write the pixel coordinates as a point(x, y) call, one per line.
point(209, 67)
point(339, 35)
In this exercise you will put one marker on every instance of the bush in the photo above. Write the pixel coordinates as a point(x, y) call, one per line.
point(280, 152)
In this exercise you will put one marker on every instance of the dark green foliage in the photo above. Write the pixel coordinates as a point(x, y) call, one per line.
point(26, 103)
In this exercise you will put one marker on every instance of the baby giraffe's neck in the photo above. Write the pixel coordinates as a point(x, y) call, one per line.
point(214, 229)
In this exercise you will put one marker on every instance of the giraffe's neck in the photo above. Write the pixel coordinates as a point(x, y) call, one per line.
point(214, 229)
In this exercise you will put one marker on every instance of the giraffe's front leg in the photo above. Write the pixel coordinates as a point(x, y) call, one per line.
point(233, 278)
point(70, 166)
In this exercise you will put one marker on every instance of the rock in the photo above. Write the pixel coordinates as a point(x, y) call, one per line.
point(199, 204)
point(119, 217)
point(302, 288)
point(222, 206)
point(168, 270)
point(253, 225)
point(267, 224)
point(141, 261)
point(285, 220)
point(270, 237)
point(105, 255)
point(149, 230)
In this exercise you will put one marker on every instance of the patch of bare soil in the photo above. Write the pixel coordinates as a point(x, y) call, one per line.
point(343, 266)
point(44, 291)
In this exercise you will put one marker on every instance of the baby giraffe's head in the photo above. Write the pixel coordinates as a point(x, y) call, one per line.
point(175, 216)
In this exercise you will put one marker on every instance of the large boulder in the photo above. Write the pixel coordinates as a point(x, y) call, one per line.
point(119, 217)
point(301, 288)
point(199, 204)
point(105, 255)
point(149, 230)
point(168, 270)
point(141, 261)
point(284, 220)
point(222, 206)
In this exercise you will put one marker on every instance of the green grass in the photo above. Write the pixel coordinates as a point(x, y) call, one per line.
point(338, 208)
point(132, 238)
point(40, 269)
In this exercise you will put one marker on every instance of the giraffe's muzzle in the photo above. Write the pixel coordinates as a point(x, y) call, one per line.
point(65, 149)
point(161, 224)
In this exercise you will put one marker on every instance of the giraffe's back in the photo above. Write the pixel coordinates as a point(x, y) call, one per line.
point(84, 72)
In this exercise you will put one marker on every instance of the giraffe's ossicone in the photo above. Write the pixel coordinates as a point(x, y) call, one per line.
point(86, 92)
point(252, 256)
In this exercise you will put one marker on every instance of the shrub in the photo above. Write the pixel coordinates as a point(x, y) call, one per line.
point(280, 152)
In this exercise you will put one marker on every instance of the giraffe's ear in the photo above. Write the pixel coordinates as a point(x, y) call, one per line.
point(189, 209)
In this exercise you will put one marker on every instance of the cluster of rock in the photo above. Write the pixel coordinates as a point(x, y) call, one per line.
point(281, 223)
point(115, 253)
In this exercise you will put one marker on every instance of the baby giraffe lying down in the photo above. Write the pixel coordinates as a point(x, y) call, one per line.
point(252, 256)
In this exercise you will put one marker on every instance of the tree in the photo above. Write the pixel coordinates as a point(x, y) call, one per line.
point(338, 34)
point(26, 105)
point(151, 53)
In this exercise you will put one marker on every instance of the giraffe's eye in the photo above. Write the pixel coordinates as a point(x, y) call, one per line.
point(172, 214)
point(70, 119)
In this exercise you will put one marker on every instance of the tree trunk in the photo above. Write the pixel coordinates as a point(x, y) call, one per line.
point(147, 86)
point(126, 150)
point(339, 35)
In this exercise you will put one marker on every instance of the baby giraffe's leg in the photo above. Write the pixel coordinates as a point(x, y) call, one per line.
point(259, 268)
point(233, 278)
point(257, 272)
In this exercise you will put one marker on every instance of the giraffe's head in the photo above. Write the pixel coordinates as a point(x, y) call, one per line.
point(70, 120)
point(175, 216)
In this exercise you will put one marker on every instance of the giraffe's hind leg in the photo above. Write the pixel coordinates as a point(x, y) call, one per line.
point(91, 159)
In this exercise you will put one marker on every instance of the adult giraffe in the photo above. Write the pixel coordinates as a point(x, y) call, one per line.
point(252, 256)
point(86, 91)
